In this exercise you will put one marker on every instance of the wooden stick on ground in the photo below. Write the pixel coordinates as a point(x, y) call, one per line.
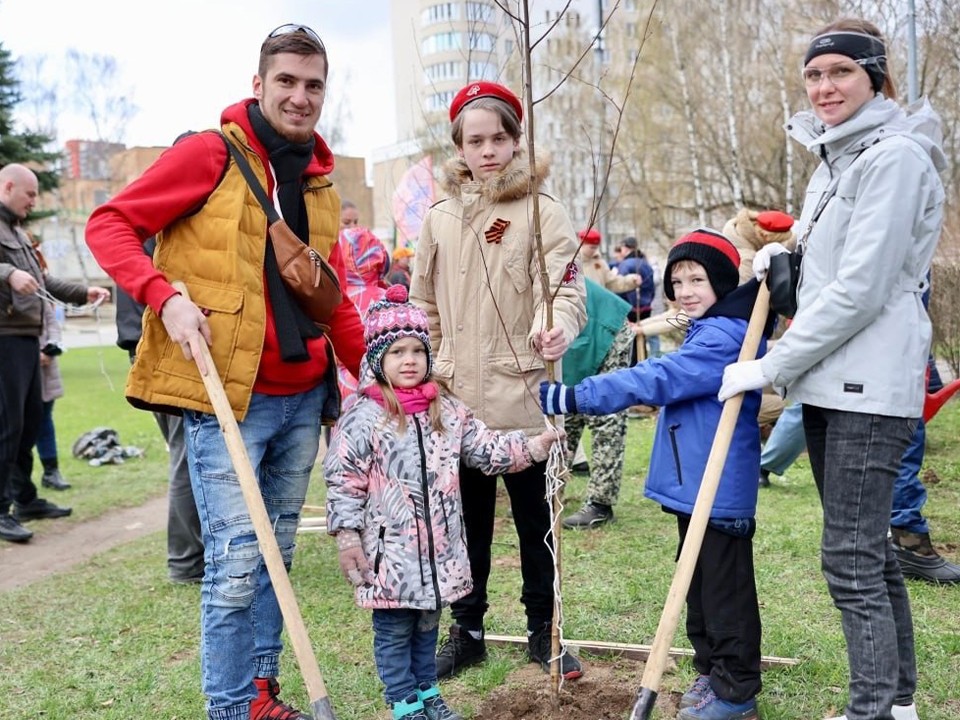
point(319, 702)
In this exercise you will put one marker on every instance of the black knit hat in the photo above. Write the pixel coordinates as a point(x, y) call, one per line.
point(712, 250)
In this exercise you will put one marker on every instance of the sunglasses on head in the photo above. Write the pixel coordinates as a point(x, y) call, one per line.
point(294, 28)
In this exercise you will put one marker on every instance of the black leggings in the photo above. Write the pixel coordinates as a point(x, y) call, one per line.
point(531, 516)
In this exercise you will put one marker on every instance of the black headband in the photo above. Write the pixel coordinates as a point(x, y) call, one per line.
point(868, 50)
point(855, 45)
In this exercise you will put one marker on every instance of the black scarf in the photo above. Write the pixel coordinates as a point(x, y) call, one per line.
point(288, 160)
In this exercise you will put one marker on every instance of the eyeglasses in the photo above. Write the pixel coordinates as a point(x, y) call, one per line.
point(836, 74)
point(294, 28)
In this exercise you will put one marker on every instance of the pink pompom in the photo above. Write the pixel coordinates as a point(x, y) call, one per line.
point(396, 294)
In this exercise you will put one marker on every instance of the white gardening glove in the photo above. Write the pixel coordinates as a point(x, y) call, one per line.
point(761, 261)
point(741, 377)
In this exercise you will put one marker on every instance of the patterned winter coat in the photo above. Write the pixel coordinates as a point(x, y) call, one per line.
point(402, 493)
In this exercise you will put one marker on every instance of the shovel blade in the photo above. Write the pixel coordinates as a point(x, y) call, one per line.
point(646, 700)
point(321, 709)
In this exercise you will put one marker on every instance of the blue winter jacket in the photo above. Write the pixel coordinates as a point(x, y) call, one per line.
point(642, 297)
point(685, 384)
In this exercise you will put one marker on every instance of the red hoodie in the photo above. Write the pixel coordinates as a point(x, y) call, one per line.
point(179, 182)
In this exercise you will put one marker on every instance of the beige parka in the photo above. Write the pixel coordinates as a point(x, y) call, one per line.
point(477, 276)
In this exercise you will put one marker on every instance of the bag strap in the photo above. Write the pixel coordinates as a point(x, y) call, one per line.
point(822, 205)
point(268, 207)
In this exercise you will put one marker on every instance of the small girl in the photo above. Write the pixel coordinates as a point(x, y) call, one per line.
point(393, 499)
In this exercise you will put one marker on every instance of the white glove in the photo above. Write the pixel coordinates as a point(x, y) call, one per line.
point(741, 377)
point(761, 261)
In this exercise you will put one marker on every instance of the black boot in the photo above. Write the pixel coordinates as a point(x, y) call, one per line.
point(51, 475)
point(918, 558)
point(539, 644)
point(459, 650)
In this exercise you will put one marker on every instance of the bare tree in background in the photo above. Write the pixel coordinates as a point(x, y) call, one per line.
point(93, 89)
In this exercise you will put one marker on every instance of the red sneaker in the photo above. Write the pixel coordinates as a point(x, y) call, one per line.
point(268, 706)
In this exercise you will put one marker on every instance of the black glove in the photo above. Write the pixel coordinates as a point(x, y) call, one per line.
point(557, 399)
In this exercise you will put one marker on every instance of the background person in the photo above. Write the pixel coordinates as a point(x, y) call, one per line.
point(476, 279)
point(400, 267)
point(184, 537)
point(349, 214)
point(277, 365)
point(602, 346)
point(51, 388)
point(856, 351)
point(632, 261)
point(366, 261)
point(23, 285)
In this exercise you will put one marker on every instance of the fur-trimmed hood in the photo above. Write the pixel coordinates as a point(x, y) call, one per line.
point(511, 184)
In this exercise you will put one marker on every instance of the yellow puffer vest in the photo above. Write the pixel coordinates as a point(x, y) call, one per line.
point(218, 253)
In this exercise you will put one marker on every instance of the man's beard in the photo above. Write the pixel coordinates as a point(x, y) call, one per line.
point(295, 136)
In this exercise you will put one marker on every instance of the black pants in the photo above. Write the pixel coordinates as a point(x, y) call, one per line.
point(21, 410)
point(723, 616)
point(531, 516)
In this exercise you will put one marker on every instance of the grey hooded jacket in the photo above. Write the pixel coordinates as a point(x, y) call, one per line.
point(860, 339)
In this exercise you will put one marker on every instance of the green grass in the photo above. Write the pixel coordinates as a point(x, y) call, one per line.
point(113, 640)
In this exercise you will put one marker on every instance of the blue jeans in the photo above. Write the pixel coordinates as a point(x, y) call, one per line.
point(909, 494)
point(786, 441)
point(653, 346)
point(854, 458)
point(404, 648)
point(240, 619)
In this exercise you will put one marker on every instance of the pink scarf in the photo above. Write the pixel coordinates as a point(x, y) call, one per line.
point(412, 400)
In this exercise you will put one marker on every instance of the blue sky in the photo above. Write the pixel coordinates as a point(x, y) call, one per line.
point(184, 60)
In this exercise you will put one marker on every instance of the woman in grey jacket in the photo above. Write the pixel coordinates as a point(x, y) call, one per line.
point(856, 352)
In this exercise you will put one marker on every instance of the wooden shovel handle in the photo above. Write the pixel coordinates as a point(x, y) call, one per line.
point(307, 661)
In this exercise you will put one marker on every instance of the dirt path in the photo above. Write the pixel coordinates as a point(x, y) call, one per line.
point(54, 552)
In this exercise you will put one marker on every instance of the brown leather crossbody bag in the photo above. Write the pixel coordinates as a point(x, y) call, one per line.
point(306, 274)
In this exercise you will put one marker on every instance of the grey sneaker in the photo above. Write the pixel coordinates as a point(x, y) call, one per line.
point(589, 516)
point(434, 706)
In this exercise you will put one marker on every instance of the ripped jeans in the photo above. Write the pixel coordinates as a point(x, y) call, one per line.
point(240, 619)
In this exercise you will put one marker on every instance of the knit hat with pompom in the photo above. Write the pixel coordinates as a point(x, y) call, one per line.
point(390, 319)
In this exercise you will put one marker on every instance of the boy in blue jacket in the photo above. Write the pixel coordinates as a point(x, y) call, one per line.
point(723, 616)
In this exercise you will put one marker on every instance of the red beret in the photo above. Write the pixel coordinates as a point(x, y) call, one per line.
point(590, 237)
point(484, 89)
point(774, 221)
